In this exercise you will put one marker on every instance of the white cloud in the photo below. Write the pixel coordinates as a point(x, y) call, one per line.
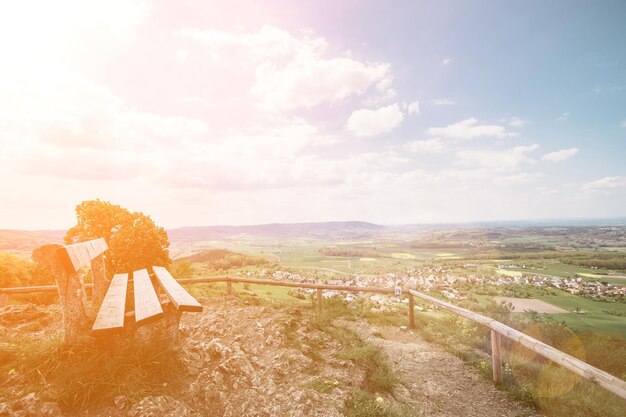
point(413, 107)
point(424, 146)
point(470, 129)
point(624, 123)
point(383, 92)
point(446, 61)
point(605, 184)
point(182, 54)
point(293, 71)
point(497, 160)
point(309, 81)
point(443, 102)
point(75, 129)
point(35, 33)
point(365, 122)
point(516, 122)
point(563, 117)
point(559, 156)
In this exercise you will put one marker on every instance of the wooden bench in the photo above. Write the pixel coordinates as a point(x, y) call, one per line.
point(128, 304)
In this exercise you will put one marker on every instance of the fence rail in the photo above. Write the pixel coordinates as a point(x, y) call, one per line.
point(498, 330)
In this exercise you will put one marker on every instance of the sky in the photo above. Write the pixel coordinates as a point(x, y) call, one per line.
point(203, 112)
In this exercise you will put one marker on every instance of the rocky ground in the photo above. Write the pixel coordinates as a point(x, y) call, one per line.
point(240, 359)
point(436, 382)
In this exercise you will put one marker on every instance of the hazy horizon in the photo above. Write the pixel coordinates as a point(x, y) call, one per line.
point(242, 113)
point(572, 221)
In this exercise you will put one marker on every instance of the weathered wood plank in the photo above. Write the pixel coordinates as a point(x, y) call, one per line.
point(320, 300)
point(110, 317)
point(179, 296)
point(28, 290)
point(4, 299)
point(496, 360)
point(147, 305)
point(77, 255)
point(411, 312)
point(377, 290)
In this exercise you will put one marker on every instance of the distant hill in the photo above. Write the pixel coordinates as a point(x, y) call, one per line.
point(207, 256)
point(336, 231)
point(223, 259)
point(29, 240)
point(332, 230)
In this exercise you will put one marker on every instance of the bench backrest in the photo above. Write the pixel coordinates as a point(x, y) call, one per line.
point(77, 255)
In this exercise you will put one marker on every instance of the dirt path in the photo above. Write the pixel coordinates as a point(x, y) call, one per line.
point(437, 382)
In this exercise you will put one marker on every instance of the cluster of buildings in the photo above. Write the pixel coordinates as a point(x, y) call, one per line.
point(451, 285)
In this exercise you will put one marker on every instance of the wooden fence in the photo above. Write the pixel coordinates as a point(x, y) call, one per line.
point(498, 330)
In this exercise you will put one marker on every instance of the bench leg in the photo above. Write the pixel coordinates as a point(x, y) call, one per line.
point(71, 293)
point(163, 332)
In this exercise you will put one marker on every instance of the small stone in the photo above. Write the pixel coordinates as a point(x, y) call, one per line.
point(121, 402)
point(162, 406)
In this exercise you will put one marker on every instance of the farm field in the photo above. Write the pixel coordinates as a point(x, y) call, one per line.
point(601, 277)
point(570, 271)
point(593, 316)
point(532, 304)
point(509, 273)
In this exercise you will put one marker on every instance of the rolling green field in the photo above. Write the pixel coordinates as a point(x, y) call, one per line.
point(509, 273)
point(305, 257)
point(593, 317)
point(558, 269)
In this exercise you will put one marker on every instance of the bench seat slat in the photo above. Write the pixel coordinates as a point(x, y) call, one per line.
point(110, 317)
point(179, 296)
point(147, 305)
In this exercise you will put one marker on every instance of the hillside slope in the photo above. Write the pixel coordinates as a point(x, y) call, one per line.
point(241, 359)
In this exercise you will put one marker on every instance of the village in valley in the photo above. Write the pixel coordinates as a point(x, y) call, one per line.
point(450, 286)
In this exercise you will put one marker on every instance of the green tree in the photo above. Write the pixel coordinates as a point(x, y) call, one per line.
point(134, 240)
point(18, 272)
point(182, 269)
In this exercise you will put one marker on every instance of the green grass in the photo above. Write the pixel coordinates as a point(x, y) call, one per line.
point(365, 404)
point(85, 375)
point(593, 316)
point(509, 272)
point(322, 385)
point(378, 380)
point(271, 292)
point(593, 319)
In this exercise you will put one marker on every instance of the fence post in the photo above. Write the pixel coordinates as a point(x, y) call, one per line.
point(411, 312)
point(229, 287)
point(320, 300)
point(496, 361)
